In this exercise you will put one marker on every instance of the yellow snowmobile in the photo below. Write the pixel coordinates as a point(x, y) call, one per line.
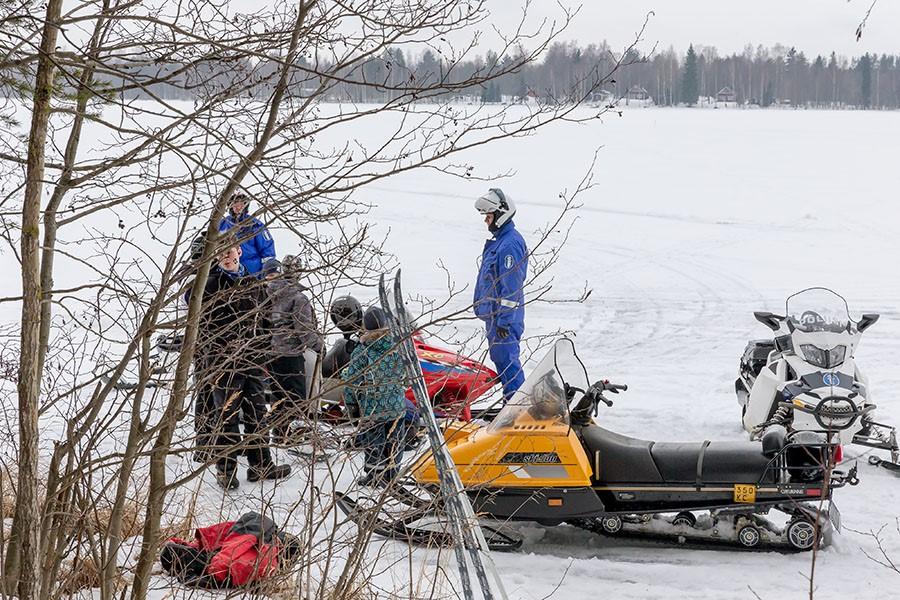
point(544, 459)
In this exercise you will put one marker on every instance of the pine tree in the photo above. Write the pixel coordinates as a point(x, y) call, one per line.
point(865, 71)
point(690, 86)
point(769, 95)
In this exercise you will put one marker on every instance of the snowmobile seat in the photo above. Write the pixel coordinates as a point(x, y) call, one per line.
point(756, 353)
point(712, 462)
point(617, 458)
point(773, 440)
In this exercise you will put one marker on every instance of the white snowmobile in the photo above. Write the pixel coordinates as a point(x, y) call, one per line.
point(807, 379)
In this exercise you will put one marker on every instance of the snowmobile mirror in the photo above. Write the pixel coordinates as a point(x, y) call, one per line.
point(867, 321)
point(769, 320)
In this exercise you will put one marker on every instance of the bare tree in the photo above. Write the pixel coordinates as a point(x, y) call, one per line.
point(151, 115)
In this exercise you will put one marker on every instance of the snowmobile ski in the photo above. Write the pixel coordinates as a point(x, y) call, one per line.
point(403, 529)
point(877, 461)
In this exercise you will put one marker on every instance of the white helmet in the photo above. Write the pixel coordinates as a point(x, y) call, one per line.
point(496, 203)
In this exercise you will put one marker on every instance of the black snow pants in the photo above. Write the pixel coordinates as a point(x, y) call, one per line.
point(239, 397)
point(204, 411)
point(288, 391)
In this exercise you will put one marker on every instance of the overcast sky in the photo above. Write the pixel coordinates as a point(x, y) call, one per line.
point(814, 26)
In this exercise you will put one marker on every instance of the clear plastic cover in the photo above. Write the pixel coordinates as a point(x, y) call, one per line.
point(818, 310)
point(543, 395)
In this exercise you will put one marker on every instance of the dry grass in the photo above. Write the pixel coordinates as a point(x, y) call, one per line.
point(98, 521)
point(84, 574)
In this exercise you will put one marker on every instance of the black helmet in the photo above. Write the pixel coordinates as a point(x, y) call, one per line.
point(197, 245)
point(375, 319)
point(271, 266)
point(347, 313)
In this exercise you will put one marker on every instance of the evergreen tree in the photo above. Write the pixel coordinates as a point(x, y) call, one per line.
point(690, 86)
point(864, 66)
point(769, 95)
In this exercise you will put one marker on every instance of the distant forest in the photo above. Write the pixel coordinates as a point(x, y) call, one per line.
point(568, 72)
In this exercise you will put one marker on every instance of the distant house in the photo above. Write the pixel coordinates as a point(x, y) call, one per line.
point(601, 97)
point(726, 94)
point(636, 92)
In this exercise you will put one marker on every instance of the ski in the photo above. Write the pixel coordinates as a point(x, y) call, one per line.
point(469, 536)
point(403, 529)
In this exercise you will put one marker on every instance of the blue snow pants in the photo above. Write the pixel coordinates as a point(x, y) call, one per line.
point(505, 355)
point(383, 443)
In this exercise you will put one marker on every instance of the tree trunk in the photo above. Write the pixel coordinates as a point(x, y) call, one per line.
point(157, 487)
point(23, 557)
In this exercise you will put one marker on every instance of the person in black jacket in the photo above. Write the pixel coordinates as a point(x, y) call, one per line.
point(294, 330)
point(231, 342)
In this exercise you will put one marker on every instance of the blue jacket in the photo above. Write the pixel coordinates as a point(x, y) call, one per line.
point(499, 296)
point(258, 244)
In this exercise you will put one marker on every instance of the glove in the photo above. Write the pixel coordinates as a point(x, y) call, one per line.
point(502, 333)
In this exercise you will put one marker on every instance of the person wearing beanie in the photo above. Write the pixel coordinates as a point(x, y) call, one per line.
point(230, 330)
point(294, 331)
point(375, 389)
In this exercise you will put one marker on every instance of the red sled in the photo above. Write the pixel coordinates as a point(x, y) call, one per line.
point(453, 381)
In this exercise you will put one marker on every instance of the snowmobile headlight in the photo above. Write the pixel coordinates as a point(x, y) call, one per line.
point(815, 355)
point(825, 359)
point(836, 356)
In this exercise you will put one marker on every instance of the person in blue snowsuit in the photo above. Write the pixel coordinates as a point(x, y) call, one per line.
point(257, 244)
point(499, 295)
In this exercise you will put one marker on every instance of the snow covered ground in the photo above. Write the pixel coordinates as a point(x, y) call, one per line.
point(697, 219)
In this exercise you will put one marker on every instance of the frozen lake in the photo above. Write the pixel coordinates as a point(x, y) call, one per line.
point(697, 218)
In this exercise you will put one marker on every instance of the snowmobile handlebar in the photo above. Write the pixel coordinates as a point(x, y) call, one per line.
point(595, 392)
point(614, 387)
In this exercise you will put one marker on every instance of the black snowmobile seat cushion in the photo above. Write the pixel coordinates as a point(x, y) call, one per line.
point(773, 440)
point(618, 458)
point(722, 462)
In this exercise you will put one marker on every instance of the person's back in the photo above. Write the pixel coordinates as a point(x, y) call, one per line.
point(374, 382)
point(294, 324)
point(294, 342)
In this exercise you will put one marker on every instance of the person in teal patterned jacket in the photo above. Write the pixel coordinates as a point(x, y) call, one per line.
point(375, 391)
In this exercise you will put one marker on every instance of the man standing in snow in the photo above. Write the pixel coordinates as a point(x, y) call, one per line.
point(257, 244)
point(230, 335)
point(499, 296)
point(294, 331)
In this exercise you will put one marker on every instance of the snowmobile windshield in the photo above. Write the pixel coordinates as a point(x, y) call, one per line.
point(818, 310)
point(546, 393)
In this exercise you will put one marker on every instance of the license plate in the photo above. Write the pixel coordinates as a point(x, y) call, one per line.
point(835, 515)
point(744, 493)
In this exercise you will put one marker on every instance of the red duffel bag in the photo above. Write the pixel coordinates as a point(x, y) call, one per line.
point(230, 554)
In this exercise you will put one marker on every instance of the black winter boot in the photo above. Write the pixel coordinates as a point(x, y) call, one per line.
point(268, 471)
point(226, 477)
